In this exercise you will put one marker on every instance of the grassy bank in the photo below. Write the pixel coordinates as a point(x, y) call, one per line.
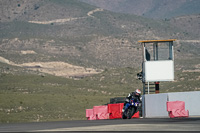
point(34, 97)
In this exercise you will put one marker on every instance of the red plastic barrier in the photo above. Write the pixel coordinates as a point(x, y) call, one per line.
point(177, 109)
point(112, 111)
point(136, 115)
point(115, 110)
point(175, 105)
point(101, 112)
point(90, 115)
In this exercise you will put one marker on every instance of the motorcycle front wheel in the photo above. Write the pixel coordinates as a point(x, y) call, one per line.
point(124, 115)
point(130, 112)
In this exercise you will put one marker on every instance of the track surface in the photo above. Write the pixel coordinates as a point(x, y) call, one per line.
point(145, 124)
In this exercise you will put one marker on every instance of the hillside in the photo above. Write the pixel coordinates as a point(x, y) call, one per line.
point(156, 9)
point(41, 10)
point(184, 14)
point(190, 23)
point(82, 35)
point(58, 58)
point(31, 96)
point(101, 38)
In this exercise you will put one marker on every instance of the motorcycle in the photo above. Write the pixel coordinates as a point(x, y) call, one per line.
point(130, 109)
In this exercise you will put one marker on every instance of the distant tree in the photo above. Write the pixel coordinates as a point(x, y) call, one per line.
point(166, 19)
point(36, 7)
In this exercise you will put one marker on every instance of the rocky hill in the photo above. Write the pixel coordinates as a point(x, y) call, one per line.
point(184, 14)
point(157, 9)
point(189, 24)
point(41, 10)
point(84, 35)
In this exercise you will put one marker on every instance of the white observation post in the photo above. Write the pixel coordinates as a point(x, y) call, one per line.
point(158, 62)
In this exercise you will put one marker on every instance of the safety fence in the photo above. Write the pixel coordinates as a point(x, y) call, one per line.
point(110, 111)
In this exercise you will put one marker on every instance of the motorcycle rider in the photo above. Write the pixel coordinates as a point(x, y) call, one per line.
point(133, 95)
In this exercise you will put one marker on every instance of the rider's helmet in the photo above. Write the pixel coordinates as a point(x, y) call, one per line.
point(138, 92)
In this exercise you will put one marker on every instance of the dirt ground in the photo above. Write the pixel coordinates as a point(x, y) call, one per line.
point(56, 68)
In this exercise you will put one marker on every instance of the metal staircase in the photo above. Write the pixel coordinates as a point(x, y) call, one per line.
point(149, 88)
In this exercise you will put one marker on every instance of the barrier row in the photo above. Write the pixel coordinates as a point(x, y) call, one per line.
point(114, 111)
point(155, 105)
point(110, 111)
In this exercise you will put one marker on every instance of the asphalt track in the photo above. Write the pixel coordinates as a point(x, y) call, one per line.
point(140, 124)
